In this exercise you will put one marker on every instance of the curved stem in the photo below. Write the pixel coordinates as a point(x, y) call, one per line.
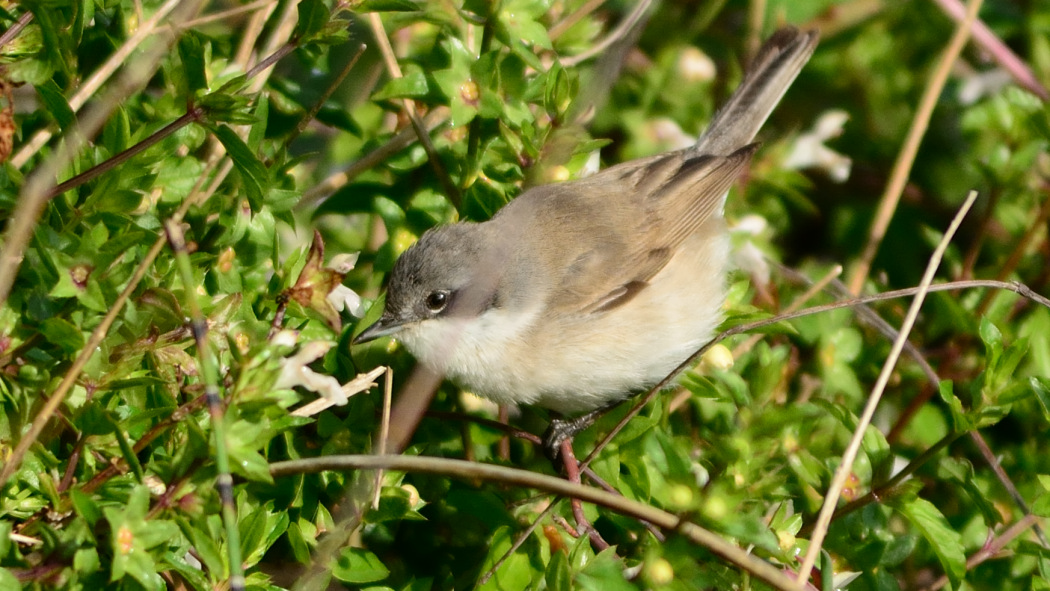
point(760, 569)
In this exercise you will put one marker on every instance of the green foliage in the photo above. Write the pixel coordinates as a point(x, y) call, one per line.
point(119, 489)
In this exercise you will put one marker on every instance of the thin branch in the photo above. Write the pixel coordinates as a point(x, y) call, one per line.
point(327, 94)
point(210, 377)
point(272, 59)
point(1037, 226)
point(191, 116)
point(142, 442)
point(225, 14)
point(906, 157)
point(452, 192)
point(522, 537)
point(384, 431)
point(621, 30)
point(760, 569)
point(13, 31)
point(34, 193)
point(869, 316)
point(566, 23)
point(990, 42)
point(1004, 479)
point(813, 290)
point(315, 196)
point(845, 467)
point(883, 489)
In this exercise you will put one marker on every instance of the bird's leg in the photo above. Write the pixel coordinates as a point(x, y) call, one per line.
point(572, 474)
point(562, 429)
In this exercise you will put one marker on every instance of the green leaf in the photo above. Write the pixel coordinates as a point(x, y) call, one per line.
point(116, 136)
point(54, 38)
point(961, 472)
point(516, 572)
point(253, 173)
point(394, 505)
point(558, 577)
point(257, 133)
point(521, 27)
point(299, 543)
point(8, 581)
point(560, 89)
point(313, 15)
point(992, 339)
point(85, 506)
point(249, 463)
point(961, 422)
point(357, 566)
point(1041, 388)
point(413, 84)
point(1041, 506)
point(191, 52)
point(63, 333)
point(132, 538)
point(603, 573)
point(55, 103)
point(935, 529)
point(85, 561)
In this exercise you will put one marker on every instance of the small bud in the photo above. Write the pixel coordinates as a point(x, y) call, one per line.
point(680, 496)
point(715, 508)
point(470, 93)
point(226, 259)
point(785, 540)
point(456, 134)
point(851, 490)
point(413, 495)
point(658, 572)
point(718, 357)
point(243, 342)
point(695, 66)
point(125, 540)
point(155, 485)
point(80, 274)
point(557, 174)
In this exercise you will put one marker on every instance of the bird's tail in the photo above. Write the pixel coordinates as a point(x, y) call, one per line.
point(767, 79)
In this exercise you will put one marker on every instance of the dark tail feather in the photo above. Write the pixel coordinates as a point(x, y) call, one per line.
point(771, 73)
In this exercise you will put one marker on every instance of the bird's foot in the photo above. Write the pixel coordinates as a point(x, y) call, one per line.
point(561, 430)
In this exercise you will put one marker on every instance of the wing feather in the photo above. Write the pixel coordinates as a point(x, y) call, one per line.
point(620, 227)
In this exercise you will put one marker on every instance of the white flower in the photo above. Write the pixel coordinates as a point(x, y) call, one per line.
point(669, 134)
point(981, 84)
point(747, 256)
point(809, 150)
point(285, 338)
point(295, 372)
point(343, 262)
point(594, 162)
point(751, 224)
point(344, 298)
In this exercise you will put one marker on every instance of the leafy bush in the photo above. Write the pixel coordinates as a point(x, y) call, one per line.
point(169, 312)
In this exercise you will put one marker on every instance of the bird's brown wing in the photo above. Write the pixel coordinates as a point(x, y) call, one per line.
point(618, 228)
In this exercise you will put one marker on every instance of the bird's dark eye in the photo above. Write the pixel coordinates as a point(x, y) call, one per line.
point(437, 300)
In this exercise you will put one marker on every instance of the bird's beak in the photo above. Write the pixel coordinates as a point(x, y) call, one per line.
point(385, 326)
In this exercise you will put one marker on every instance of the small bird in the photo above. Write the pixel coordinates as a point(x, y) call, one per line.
point(576, 295)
